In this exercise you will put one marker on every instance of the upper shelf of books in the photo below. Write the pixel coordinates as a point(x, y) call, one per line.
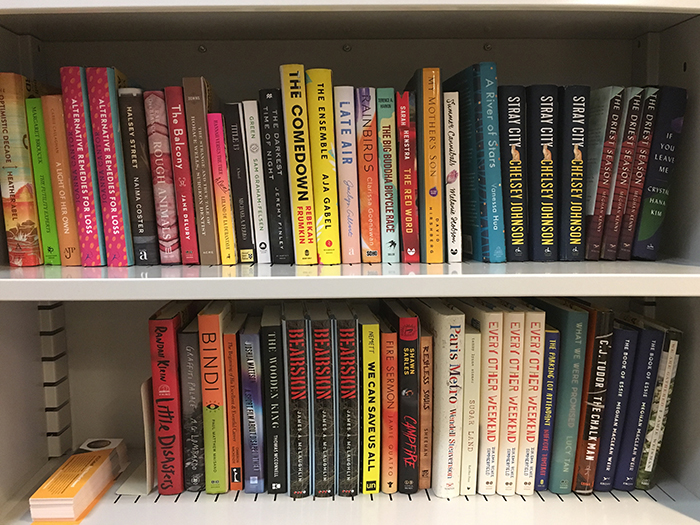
point(85, 20)
point(472, 279)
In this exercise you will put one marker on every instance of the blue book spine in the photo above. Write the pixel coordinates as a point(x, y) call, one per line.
point(552, 343)
point(624, 347)
point(650, 343)
point(489, 162)
point(252, 403)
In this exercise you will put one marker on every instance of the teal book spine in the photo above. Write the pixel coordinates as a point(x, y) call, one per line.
point(388, 194)
point(572, 324)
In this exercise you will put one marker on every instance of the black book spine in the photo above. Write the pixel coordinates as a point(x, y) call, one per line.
point(142, 213)
point(348, 444)
point(238, 167)
point(279, 213)
point(274, 403)
point(573, 113)
point(324, 408)
point(192, 422)
point(512, 111)
point(542, 118)
point(299, 410)
point(409, 411)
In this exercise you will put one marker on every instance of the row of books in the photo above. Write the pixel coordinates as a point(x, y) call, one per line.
point(463, 396)
point(314, 173)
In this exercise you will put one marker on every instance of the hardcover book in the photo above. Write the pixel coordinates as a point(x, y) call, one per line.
point(368, 174)
point(348, 203)
point(279, 215)
point(299, 159)
point(139, 185)
point(453, 199)
point(162, 175)
point(319, 96)
point(388, 195)
point(512, 111)
point(425, 402)
point(550, 374)
point(390, 409)
point(76, 111)
point(234, 403)
point(182, 174)
point(102, 85)
point(543, 183)
point(408, 176)
point(573, 113)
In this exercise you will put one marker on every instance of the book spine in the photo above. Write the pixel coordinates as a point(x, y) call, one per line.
point(470, 413)
point(512, 110)
point(542, 107)
point(511, 402)
point(662, 158)
point(139, 186)
point(453, 199)
point(639, 172)
point(349, 207)
point(550, 374)
point(234, 411)
point(595, 386)
point(622, 360)
point(324, 408)
point(238, 167)
point(59, 167)
point(408, 176)
point(191, 402)
point(390, 413)
point(82, 166)
point(368, 174)
point(425, 402)
point(109, 160)
point(42, 182)
point(182, 175)
point(274, 396)
point(298, 156)
point(279, 214)
point(348, 424)
point(167, 405)
point(388, 194)
point(222, 189)
point(668, 366)
point(573, 114)
point(252, 408)
point(606, 112)
point(319, 96)
point(162, 175)
point(197, 102)
point(371, 409)
point(533, 363)
point(299, 415)
point(641, 398)
point(409, 405)
point(214, 400)
point(256, 181)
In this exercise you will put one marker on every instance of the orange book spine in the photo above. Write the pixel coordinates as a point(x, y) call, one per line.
point(390, 413)
point(233, 411)
point(425, 459)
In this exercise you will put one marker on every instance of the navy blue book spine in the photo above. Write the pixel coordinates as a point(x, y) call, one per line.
point(549, 399)
point(650, 343)
point(624, 347)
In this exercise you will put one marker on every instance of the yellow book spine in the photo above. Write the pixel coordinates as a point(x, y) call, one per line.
point(296, 128)
point(319, 97)
point(432, 168)
point(371, 408)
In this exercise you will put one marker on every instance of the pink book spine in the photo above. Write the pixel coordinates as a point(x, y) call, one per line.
point(81, 166)
point(182, 175)
point(106, 162)
point(162, 173)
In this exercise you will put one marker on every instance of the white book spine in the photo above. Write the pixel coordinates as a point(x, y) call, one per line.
point(453, 206)
point(512, 379)
point(256, 181)
point(470, 419)
point(531, 402)
point(348, 197)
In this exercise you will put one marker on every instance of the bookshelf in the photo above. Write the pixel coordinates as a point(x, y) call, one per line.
point(238, 46)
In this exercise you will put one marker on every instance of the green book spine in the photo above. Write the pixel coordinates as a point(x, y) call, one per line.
point(389, 199)
point(572, 323)
point(42, 181)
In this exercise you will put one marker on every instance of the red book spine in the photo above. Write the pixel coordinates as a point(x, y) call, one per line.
point(166, 405)
point(390, 413)
point(182, 175)
point(407, 182)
